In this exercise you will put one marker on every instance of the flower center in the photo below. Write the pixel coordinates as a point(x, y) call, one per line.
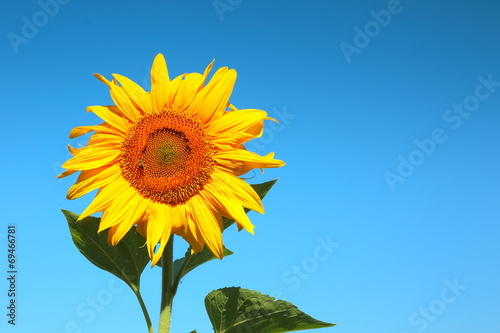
point(167, 157)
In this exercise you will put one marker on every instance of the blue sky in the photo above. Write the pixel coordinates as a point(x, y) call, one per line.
point(386, 216)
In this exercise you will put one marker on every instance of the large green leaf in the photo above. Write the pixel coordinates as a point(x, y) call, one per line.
point(261, 189)
point(238, 310)
point(126, 260)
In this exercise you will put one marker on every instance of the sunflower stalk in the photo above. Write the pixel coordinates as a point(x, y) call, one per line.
point(167, 290)
point(170, 283)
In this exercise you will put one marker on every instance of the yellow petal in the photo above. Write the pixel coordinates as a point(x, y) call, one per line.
point(109, 115)
point(171, 94)
point(120, 98)
point(256, 129)
point(81, 130)
point(67, 173)
point(207, 71)
point(231, 139)
point(93, 157)
point(236, 121)
point(105, 197)
point(209, 226)
point(240, 189)
point(136, 207)
point(155, 227)
point(90, 180)
point(159, 83)
point(226, 202)
point(136, 94)
point(191, 232)
point(105, 139)
point(74, 151)
point(158, 230)
point(178, 219)
point(102, 128)
point(211, 102)
point(248, 158)
point(187, 90)
point(127, 207)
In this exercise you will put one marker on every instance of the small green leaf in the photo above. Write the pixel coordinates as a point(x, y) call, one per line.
point(261, 189)
point(237, 310)
point(196, 260)
point(126, 260)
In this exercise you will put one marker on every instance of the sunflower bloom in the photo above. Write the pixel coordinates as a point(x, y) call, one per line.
point(169, 160)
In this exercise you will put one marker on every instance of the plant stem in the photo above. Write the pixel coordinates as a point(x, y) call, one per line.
point(167, 294)
point(144, 310)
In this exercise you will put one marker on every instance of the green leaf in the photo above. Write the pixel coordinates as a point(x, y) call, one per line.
point(126, 260)
point(238, 310)
point(261, 189)
point(196, 260)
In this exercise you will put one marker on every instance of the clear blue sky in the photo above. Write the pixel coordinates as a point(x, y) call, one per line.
point(390, 115)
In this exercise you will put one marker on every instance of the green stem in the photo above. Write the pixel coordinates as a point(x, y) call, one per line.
point(167, 294)
point(144, 310)
point(180, 273)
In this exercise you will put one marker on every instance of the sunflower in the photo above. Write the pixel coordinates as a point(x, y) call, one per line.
point(169, 160)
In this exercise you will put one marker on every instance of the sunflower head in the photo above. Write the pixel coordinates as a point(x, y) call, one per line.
point(168, 161)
